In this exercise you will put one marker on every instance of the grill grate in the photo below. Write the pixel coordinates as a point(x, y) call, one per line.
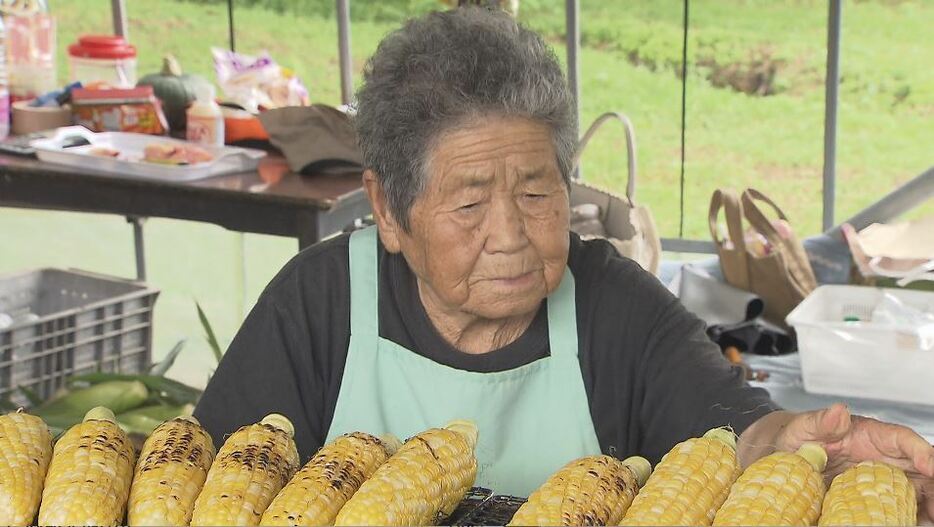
point(473, 500)
point(497, 510)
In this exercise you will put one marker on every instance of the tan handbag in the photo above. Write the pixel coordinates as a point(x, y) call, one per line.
point(629, 226)
point(783, 277)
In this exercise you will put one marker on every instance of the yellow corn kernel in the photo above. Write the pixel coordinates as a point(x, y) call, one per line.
point(420, 484)
point(594, 490)
point(783, 488)
point(870, 493)
point(689, 484)
point(321, 488)
point(25, 452)
point(89, 477)
point(255, 463)
point(172, 467)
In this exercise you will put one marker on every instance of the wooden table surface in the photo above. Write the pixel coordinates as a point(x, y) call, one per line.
point(270, 200)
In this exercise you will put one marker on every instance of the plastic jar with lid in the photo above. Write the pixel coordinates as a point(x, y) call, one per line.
point(102, 58)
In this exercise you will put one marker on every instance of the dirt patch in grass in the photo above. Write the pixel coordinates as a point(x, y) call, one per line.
point(752, 76)
point(755, 75)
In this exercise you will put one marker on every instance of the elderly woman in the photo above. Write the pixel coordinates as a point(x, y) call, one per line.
point(471, 298)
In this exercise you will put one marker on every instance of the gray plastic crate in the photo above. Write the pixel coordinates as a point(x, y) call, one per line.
point(69, 322)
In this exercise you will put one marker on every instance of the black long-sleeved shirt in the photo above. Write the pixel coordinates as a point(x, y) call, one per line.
point(652, 376)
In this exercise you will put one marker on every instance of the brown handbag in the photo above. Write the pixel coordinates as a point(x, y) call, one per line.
point(783, 277)
point(629, 226)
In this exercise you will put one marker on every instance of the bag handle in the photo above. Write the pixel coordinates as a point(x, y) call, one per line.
point(728, 200)
point(630, 148)
point(757, 219)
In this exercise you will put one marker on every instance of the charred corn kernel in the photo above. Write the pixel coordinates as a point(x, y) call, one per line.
point(25, 452)
point(254, 464)
point(689, 484)
point(783, 488)
point(870, 493)
point(594, 490)
point(421, 483)
point(172, 467)
point(318, 491)
point(89, 477)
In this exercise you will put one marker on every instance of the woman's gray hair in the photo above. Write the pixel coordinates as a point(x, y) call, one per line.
point(443, 70)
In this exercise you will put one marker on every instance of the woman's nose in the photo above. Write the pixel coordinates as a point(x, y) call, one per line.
point(506, 230)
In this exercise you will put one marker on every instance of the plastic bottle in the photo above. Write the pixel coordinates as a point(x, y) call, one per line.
point(30, 49)
point(4, 87)
point(205, 120)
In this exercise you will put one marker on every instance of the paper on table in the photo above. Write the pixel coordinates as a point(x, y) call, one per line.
point(908, 240)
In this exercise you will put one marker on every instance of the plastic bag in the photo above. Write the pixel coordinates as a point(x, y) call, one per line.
point(257, 83)
point(893, 311)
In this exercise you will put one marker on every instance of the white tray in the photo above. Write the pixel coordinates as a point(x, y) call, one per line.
point(227, 159)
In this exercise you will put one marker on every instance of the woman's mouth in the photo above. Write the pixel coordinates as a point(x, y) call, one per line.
point(516, 282)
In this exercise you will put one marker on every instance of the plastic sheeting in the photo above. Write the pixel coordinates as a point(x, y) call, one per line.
point(786, 388)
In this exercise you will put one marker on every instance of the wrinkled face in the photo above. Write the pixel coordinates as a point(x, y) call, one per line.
point(489, 234)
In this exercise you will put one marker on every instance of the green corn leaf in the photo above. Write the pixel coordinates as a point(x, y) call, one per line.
point(163, 366)
point(209, 333)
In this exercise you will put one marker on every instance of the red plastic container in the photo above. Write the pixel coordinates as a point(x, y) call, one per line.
point(106, 59)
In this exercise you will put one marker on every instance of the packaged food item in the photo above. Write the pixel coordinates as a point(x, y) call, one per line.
point(256, 83)
point(119, 110)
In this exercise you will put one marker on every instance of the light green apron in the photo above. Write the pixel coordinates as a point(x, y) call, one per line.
point(532, 419)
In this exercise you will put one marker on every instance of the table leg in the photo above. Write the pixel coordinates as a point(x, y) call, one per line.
point(139, 246)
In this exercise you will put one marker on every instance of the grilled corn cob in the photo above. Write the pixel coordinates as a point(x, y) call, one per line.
point(25, 452)
point(870, 493)
point(252, 466)
point(594, 490)
point(689, 484)
point(172, 467)
point(422, 483)
point(318, 491)
point(783, 488)
point(89, 477)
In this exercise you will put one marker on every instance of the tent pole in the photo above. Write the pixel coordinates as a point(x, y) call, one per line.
point(830, 112)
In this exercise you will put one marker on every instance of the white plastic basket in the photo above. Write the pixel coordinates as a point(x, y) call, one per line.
point(863, 358)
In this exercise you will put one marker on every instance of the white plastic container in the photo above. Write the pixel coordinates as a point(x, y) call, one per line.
point(205, 120)
point(102, 58)
point(845, 352)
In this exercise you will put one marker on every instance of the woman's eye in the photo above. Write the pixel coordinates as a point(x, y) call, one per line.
point(535, 196)
point(469, 207)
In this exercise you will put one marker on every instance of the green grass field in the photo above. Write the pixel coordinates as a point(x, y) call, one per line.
point(630, 63)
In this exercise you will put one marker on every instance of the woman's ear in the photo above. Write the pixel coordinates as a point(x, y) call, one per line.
point(389, 229)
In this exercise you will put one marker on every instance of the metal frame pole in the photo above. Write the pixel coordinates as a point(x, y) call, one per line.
point(231, 33)
point(573, 32)
point(830, 111)
point(573, 36)
point(343, 43)
point(121, 28)
point(139, 246)
point(118, 11)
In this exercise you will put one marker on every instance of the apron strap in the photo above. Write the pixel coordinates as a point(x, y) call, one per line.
point(562, 318)
point(364, 282)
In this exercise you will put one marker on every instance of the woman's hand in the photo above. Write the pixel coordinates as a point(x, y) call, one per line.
point(849, 439)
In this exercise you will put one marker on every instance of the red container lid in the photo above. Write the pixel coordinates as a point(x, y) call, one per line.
point(102, 47)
